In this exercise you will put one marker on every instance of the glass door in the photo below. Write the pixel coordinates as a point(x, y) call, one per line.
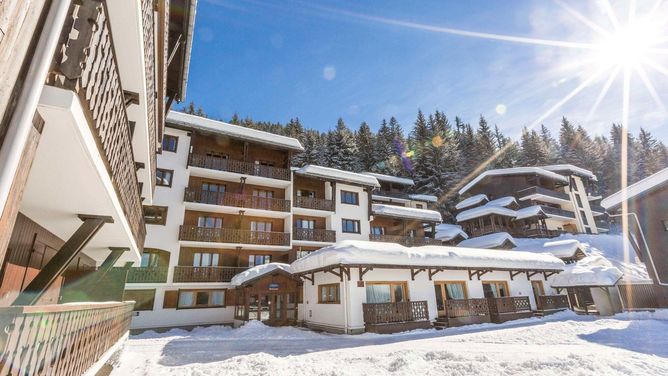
point(537, 287)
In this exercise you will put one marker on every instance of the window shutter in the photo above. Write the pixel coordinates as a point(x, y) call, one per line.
point(171, 299)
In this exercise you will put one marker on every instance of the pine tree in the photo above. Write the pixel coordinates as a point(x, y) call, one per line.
point(533, 151)
point(648, 156)
point(422, 159)
point(400, 163)
point(550, 145)
point(366, 140)
point(567, 142)
point(341, 150)
point(484, 143)
point(313, 149)
point(508, 152)
point(383, 149)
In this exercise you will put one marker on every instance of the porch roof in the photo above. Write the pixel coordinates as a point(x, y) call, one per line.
point(494, 240)
point(485, 210)
point(446, 232)
point(591, 271)
point(259, 271)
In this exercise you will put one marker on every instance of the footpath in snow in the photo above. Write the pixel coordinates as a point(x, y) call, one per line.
point(564, 343)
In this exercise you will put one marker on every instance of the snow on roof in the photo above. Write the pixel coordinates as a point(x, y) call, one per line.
point(426, 198)
point(391, 179)
point(514, 171)
point(653, 181)
point(566, 248)
point(503, 201)
point(606, 245)
point(405, 212)
point(231, 130)
point(590, 271)
point(446, 232)
point(473, 200)
point(494, 240)
point(528, 212)
point(336, 174)
point(481, 211)
point(258, 271)
point(575, 170)
point(356, 252)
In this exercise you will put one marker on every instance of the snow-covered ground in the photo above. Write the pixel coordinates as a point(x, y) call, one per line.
point(564, 343)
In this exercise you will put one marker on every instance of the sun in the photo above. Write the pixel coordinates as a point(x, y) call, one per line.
point(629, 45)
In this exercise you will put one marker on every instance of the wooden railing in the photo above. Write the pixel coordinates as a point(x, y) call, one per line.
point(456, 308)
point(86, 64)
point(156, 274)
point(147, 10)
point(206, 273)
point(510, 304)
point(239, 167)
point(236, 200)
point(552, 302)
point(314, 203)
point(407, 241)
point(384, 313)
point(64, 339)
point(230, 235)
point(314, 235)
point(536, 233)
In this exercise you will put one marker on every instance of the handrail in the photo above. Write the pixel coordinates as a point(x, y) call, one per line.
point(236, 166)
point(314, 203)
point(230, 235)
point(314, 235)
point(236, 200)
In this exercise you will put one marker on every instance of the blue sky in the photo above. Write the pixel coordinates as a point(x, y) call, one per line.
point(365, 61)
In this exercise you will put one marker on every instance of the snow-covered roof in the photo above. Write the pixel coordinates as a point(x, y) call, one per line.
point(405, 212)
point(231, 130)
point(473, 200)
point(340, 175)
point(356, 252)
point(258, 271)
point(566, 248)
point(391, 179)
point(494, 240)
point(503, 201)
point(425, 198)
point(572, 169)
point(446, 232)
point(647, 184)
point(514, 171)
point(590, 271)
point(529, 212)
point(481, 211)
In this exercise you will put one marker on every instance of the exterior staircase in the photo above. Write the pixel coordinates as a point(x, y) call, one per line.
point(441, 323)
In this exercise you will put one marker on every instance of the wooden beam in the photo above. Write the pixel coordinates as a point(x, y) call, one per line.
point(61, 260)
point(306, 277)
point(531, 274)
point(130, 98)
point(471, 274)
point(432, 272)
point(547, 275)
point(415, 272)
point(482, 272)
point(344, 270)
point(514, 274)
point(363, 271)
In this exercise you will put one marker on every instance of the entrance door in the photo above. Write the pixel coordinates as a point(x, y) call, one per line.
point(537, 287)
point(448, 290)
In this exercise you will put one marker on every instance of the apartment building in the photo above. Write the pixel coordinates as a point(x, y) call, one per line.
point(228, 200)
point(531, 202)
point(81, 121)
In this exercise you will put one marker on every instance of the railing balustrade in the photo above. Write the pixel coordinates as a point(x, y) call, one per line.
point(385, 313)
point(314, 235)
point(552, 302)
point(407, 241)
point(230, 235)
point(239, 167)
point(154, 274)
point(456, 308)
point(536, 190)
point(206, 273)
point(236, 200)
point(314, 203)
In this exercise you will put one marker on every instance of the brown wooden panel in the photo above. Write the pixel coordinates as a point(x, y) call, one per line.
point(232, 220)
point(171, 299)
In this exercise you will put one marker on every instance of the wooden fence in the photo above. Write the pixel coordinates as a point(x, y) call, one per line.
point(637, 296)
point(466, 307)
point(385, 313)
point(552, 302)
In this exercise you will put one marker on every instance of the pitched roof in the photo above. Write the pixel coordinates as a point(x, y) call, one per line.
point(572, 170)
point(473, 200)
point(405, 212)
point(259, 271)
point(647, 184)
point(339, 175)
point(482, 211)
point(494, 240)
point(446, 232)
point(514, 171)
point(391, 179)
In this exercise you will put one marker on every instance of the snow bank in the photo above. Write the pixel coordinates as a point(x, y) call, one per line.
point(391, 179)
point(446, 232)
point(258, 271)
point(355, 252)
point(335, 174)
point(231, 130)
point(514, 171)
point(482, 211)
point(405, 212)
point(473, 200)
point(590, 271)
point(488, 241)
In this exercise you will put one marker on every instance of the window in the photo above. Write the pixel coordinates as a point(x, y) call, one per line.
point(254, 260)
point(155, 215)
point(419, 206)
point(305, 193)
point(328, 294)
point(205, 259)
point(386, 292)
point(261, 226)
point(213, 187)
point(149, 259)
point(351, 198)
point(305, 223)
point(169, 143)
point(495, 289)
point(143, 299)
point(201, 298)
point(350, 226)
point(263, 193)
point(378, 230)
point(210, 222)
point(163, 177)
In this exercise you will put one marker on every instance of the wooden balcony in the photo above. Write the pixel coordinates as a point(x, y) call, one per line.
point(157, 274)
point(407, 241)
point(467, 311)
point(314, 203)
point(206, 273)
point(86, 64)
point(548, 303)
point(239, 167)
point(395, 317)
point(314, 235)
point(236, 200)
point(235, 236)
point(535, 190)
point(64, 339)
point(536, 233)
point(509, 308)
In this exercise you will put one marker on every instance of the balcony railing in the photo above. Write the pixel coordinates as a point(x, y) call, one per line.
point(558, 212)
point(399, 195)
point(314, 203)
point(86, 64)
point(314, 235)
point(230, 235)
point(536, 233)
point(239, 167)
point(206, 273)
point(236, 200)
point(535, 190)
point(386, 313)
point(147, 10)
point(64, 339)
point(458, 308)
point(407, 241)
point(552, 302)
point(156, 274)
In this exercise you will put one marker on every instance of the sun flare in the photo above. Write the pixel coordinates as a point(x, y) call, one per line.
point(630, 45)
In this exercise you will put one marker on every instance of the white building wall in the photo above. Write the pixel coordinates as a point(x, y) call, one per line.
point(356, 212)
